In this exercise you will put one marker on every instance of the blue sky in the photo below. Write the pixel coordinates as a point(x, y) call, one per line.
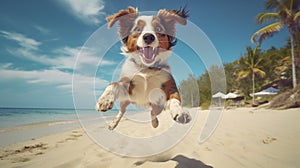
point(41, 40)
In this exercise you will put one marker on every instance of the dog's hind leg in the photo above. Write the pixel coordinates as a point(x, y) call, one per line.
point(118, 117)
point(156, 109)
point(157, 99)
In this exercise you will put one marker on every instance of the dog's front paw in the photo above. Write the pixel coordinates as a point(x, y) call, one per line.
point(104, 104)
point(106, 101)
point(183, 117)
point(179, 115)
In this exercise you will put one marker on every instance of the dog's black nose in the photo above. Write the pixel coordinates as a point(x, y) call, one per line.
point(148, 38)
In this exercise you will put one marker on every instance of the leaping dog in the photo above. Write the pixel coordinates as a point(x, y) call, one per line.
point(146, 78)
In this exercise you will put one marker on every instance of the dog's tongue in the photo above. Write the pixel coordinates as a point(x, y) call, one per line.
point(148, 54)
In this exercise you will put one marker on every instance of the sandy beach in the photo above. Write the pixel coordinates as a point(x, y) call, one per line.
point(245, 137)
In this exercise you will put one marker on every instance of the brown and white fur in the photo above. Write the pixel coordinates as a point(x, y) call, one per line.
point(146, 78)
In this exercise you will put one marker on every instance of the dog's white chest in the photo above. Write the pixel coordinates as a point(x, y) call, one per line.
point(144, 82)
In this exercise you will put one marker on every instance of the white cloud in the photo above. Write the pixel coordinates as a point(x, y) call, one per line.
point(23, 41)
point(85, 57)
point(65, 57)
point(66, 60)
point(87, 11)
point(83, 89)
point(43, 76)
point(5, 66)
point(53, 77)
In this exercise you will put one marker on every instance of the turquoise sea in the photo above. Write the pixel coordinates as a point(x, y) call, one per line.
point(22, 124)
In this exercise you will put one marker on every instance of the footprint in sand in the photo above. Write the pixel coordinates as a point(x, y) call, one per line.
point(268, 140)
point(208, 149)
point(16, 155)
point(76, 135)
point(20, 159)
point(73, 137)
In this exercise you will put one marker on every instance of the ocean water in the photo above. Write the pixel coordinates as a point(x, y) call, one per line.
point(22, 124)
point(13, 117)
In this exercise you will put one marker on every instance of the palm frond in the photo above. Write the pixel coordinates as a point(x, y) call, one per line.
point(250, 56)
point(257, 61)
point(256, 58)
point(267, 17)
point(297, 17)
point(293, 5)
point(286, 59)
point(284, 65)
point(267, 31)
point(243, 74)
point(272, 4)
point(259, 72)
point(278, 5)
point(278, 70)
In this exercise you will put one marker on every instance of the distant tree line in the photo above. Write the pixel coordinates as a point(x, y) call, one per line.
point(274, 69)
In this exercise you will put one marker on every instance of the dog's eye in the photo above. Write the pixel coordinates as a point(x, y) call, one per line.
point(137, 29)
point(158, 29)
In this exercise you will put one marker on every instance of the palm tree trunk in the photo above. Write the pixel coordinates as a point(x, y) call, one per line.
point(293, 60)
point(253, 86)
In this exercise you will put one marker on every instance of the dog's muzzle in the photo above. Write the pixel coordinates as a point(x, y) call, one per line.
point(148, 54)
point(150, 51)
point(148, 38)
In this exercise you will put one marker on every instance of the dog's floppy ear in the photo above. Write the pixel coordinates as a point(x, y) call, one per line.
point(169, 20)
point(126, 19)
point(174, 16)
point(125, 15)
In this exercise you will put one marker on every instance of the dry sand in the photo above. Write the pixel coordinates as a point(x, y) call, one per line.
point(245, 137)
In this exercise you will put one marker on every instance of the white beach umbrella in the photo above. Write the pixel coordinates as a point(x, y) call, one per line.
point(231, 96)
point(267, 92)
point(219, 95)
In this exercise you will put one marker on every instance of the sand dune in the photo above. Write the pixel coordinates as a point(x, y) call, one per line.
point(245, 137)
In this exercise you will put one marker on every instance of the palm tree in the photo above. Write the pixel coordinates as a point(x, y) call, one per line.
point(284, 64)
point(251, 63)
point(286, 14)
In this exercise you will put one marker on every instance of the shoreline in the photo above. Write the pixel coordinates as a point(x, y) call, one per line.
point(245, 137)
point(20, 134)
point(24, 125)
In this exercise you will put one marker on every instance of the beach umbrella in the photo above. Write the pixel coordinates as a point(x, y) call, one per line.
point(267, 92)
point(271, 90)
point(263, 93)
point(219, 95)
point(231, 96)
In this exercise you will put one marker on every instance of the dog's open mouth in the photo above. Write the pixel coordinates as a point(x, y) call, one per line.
point(148, 53)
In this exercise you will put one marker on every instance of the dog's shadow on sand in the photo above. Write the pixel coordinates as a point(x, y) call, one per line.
point(185, 162)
